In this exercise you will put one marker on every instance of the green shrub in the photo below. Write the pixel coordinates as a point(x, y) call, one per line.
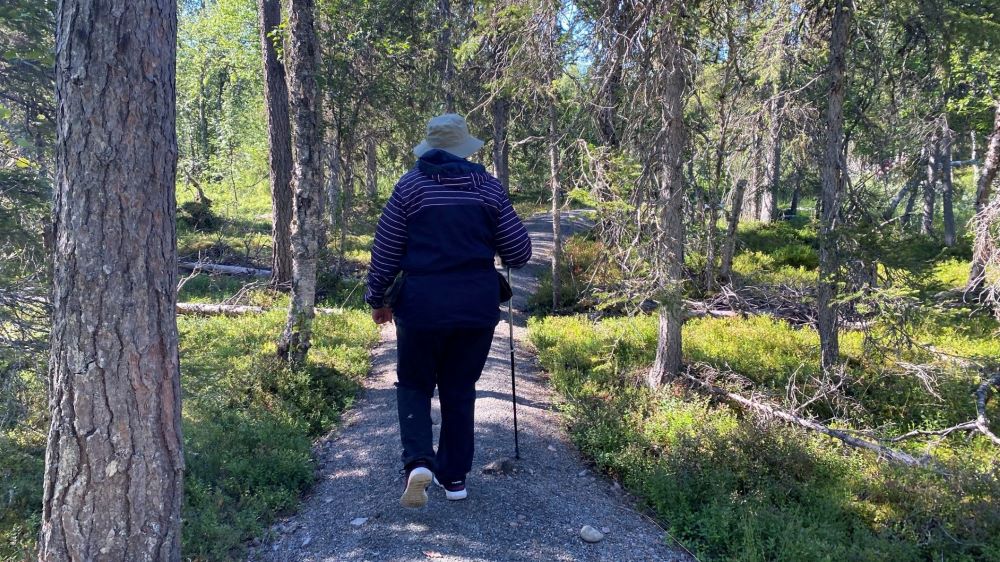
point(249, 419)
point(734, 487)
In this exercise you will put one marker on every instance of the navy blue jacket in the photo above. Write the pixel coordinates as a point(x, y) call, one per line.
point(443, 224)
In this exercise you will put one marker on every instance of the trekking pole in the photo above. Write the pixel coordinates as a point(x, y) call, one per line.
point(513, 383)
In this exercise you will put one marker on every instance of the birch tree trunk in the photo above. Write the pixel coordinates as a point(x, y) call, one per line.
point(307, 181)
point(673, 138)
point(113, 463)
point(984, 189)
point(947, 187)
point(279, 139)
point(832, 184)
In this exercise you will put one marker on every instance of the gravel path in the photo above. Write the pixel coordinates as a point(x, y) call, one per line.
point(536, 513)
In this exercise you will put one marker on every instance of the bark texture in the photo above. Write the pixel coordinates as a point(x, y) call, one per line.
point(114, 465)
point(501, 146)
point(307, 181)
point(671, 78)
point(279, 140)
point(832, 185)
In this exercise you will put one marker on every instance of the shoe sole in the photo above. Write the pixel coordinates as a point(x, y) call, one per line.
point(452, 496)
point(415, 494)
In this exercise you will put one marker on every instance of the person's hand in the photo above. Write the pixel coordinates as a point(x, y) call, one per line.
point(382, 315)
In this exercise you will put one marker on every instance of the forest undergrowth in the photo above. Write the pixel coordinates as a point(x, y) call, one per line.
point(736, 485)
point(249, 421)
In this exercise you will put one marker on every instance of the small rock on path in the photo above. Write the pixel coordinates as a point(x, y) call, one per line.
point(533, 512)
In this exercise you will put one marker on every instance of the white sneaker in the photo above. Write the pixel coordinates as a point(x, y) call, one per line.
point(454, 490)
point(417, 481)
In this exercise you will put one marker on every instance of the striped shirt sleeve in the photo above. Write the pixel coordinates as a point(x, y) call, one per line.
point(388, 248)
point(513, 243)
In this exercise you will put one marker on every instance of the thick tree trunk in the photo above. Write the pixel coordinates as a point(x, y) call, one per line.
point(670, 201)
point(114, 464)
point(930, 186)
point(371, 169)
point(832, 178)
point(947, 187)
point(729, 244)
point(279, 139)
point(307, 181)
point(501, 146)
point(984, 189)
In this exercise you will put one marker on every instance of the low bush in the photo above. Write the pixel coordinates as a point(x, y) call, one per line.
point(732, 486)
point(248, 425)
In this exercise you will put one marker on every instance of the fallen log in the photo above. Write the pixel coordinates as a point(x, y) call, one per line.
point(210, 309)
point(883, 451)
point(224, 269)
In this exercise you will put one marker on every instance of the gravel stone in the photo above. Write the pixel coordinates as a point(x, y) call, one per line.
point(591, 534)
point(543, 499)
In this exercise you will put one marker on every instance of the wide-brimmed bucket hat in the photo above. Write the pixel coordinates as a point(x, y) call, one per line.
point(450, 133)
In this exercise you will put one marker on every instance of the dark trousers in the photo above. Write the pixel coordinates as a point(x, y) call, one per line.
point(453, 360)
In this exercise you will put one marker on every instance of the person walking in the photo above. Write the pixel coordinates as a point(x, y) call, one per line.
point(433, 253)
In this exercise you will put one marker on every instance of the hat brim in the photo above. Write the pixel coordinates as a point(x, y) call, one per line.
point(466, 148)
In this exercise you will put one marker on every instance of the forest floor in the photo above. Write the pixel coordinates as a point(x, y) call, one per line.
point(535, 513)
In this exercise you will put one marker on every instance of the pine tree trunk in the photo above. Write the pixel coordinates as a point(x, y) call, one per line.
point(332, 185)
point(371, 168)
point(752, 195)
point(445, 51)
point(832, 185)
point(307, 181)
point(279, 139)
point(729, 245)
point(930, 186)
point(907, 217)
point(769, 195)
point(556, 220)
point(947, 186)
point(501, 146)
point(907, 188)
point(984, 190)
point(670, 205)
point(114, 463)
